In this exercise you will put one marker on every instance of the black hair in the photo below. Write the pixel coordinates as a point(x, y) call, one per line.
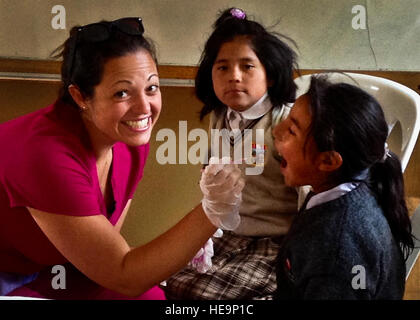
point(278, 59)
point(85, 69)
point(348, 120)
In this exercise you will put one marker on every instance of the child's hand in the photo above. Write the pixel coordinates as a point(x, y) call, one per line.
point(222, 185)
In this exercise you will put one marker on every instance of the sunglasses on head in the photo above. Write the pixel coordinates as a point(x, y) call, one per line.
point(101, 31)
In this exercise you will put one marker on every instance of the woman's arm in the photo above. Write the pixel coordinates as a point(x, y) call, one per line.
point(98, 250)
point(121, 220)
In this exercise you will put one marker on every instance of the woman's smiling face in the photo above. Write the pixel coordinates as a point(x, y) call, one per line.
point(126, 103)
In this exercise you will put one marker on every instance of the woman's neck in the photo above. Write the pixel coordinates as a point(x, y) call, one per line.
point(101, 144)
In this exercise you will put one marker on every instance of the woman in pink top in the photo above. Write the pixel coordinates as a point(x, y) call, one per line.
point(68, 173)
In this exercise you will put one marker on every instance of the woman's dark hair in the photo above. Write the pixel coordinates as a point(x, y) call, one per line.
point(278, 58)
point(84, 68)
point(348, 120)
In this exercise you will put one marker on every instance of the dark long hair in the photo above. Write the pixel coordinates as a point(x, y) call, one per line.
point(350, 121)
point(86, 68)
point(278, 58)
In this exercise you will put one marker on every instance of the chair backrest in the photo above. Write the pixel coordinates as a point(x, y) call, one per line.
point(401, 107)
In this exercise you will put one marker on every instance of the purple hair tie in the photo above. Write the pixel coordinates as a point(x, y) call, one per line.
point(238, 13)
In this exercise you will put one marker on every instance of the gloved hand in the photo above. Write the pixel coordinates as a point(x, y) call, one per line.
point(202, 260)
point(221, 185)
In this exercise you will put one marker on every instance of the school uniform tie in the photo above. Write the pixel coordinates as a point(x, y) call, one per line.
point(235, 121)
point(308, 197)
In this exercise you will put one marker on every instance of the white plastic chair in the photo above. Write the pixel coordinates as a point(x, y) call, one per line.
point(401, 107)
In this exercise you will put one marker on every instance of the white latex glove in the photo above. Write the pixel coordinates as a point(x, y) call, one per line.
point(202, 260)
point(221, 185)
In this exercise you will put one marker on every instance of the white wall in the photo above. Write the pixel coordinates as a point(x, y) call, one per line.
point(322, 28)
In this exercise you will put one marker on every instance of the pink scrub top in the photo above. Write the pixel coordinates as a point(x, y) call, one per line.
point(47, 164)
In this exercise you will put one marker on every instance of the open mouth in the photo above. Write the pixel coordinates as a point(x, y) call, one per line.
point(138, 125)
point(283, 162)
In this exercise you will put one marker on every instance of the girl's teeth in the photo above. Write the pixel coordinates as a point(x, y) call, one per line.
point(138, 124)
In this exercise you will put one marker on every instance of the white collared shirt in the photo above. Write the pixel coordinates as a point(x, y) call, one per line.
point(260, 108)
point(331, 194)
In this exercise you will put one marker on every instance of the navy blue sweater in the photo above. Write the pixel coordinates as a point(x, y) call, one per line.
point(341, 249)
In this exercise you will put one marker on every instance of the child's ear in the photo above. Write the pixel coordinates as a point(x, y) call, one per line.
point(329, 161)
